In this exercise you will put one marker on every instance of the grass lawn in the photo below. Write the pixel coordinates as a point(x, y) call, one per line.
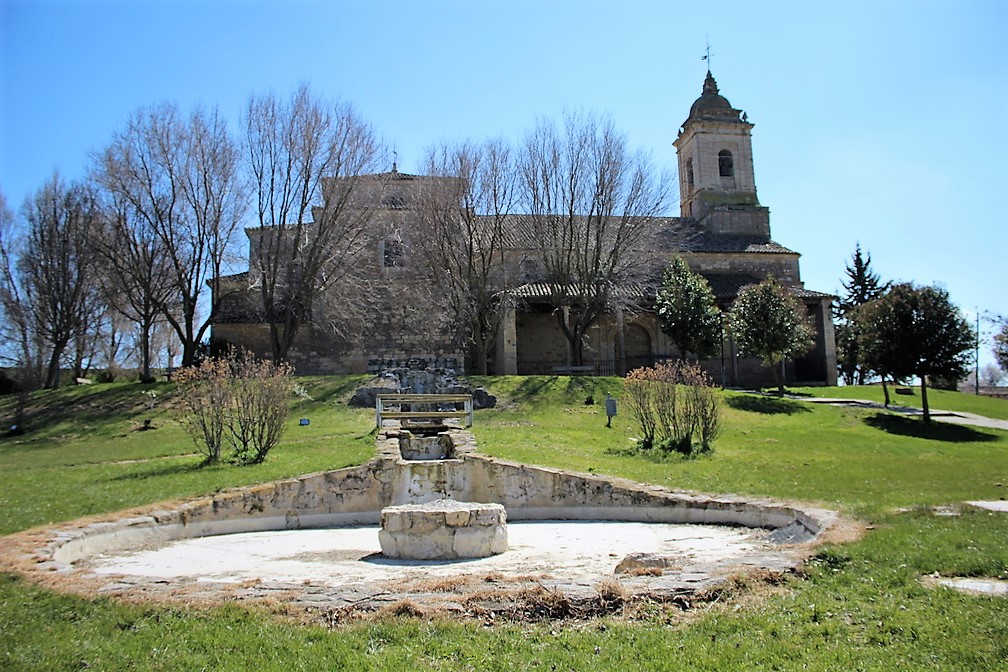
point(859, 606)
point(937, 399)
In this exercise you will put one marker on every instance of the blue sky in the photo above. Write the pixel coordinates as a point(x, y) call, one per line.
point(876, 121)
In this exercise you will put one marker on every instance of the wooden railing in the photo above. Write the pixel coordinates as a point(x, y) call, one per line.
point(383, 402)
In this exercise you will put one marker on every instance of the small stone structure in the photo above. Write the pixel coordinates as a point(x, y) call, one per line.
point(443, 530)
point(436, 445)
point(418, 377)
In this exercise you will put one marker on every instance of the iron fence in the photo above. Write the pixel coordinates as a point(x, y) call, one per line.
point(740, 372)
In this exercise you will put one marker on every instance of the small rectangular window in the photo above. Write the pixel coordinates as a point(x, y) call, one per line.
point(393, 254)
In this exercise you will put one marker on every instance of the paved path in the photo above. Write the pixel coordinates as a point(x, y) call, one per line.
point(952, 417)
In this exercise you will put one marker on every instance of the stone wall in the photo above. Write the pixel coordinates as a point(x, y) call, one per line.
point(784, 267)
point(748, 221)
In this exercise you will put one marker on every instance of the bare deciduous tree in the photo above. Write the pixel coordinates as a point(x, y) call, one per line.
point(306, 160)
point(21, 348)
point(595, 208)
point(56, 266)
point(177, 179)
point(462, 228)
point(135, 270)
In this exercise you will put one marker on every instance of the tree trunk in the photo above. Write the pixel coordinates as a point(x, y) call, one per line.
point(188, 350)
point(778, 378)
point(577, 350)
point(21, 410)
point(275, 345)
point(924, 400)
point(145, 374)
point(885, 391)
point(563, 317)
point(53, 370)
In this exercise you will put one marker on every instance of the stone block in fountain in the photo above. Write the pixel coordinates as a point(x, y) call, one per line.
point(443, 530)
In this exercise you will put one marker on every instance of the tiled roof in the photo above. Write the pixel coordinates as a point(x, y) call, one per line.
point(726, 286)
point(673, 234)
point(545, 291)
point(235, 277)
point(713, 242)
point(802, 293)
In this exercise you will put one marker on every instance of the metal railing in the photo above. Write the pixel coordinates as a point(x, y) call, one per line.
point(743, 371)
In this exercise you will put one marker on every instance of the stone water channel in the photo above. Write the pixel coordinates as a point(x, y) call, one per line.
point(428, 508)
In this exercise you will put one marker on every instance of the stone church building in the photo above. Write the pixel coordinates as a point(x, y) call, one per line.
point(727, 240)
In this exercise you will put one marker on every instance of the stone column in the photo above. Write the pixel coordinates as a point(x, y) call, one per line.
point(620, 350)
point(828, 340)
point(506, 363)
point(567, 346)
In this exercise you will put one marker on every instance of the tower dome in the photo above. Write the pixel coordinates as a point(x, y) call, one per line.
point(712, 105)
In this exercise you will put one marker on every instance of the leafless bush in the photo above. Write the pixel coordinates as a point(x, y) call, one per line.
point(204, 394)
point(241, 400)
point(675, 406)
point(259, 393)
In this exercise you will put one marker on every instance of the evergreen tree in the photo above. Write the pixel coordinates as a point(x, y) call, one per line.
point(862, 285)
point(687, 311)
point(916, 331)
point(769, 323)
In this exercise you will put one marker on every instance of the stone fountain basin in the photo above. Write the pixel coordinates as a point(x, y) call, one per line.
point(265, 518)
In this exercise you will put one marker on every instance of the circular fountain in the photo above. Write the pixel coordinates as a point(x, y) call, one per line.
point(436, 499)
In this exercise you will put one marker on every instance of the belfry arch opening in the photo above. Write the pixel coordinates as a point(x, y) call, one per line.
point(726, 165)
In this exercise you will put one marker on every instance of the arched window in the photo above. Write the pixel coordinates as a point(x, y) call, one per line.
point(394, 201)
point(689, 173)
point(726, 167)
point(638, 346)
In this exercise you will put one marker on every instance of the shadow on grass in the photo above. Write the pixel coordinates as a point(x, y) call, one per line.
point(793, 393)
point(327, 391)
point(532, 386)
point(157, 471)
point(631, 450)
point(580, 384)
point(918, 429)
point(766, 405)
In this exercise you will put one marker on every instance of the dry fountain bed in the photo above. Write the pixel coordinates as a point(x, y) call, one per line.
point(579, 545)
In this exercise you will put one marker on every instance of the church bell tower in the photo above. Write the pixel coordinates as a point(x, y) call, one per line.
point(716, 166)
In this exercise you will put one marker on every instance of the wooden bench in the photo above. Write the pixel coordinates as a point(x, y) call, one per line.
point(384, 401)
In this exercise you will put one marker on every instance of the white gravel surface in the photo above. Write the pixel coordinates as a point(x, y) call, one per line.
point(558, 549)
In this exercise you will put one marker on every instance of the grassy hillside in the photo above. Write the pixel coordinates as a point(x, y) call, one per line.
point(861, 605)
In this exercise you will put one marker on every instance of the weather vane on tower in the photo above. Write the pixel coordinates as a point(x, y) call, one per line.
point(707, 56)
